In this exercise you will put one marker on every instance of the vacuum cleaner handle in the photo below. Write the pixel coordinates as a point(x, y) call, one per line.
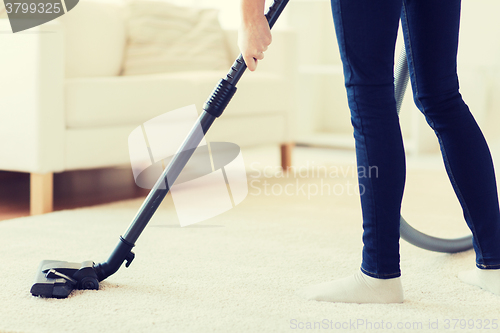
point(212, 109)
point(239, 65)
point(226, 88)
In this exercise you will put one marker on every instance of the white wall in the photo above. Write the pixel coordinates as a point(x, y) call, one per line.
point(479, 62)
point(322, 102)
point(478, 71)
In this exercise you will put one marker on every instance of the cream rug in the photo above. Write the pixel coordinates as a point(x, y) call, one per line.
point(238, 272)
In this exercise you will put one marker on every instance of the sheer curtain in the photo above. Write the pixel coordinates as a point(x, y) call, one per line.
point(229, 10)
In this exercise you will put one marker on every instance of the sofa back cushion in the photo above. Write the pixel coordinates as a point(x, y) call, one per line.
point(163, 37)
point(95, 38)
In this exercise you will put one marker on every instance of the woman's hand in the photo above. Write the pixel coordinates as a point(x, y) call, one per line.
point(254, 35)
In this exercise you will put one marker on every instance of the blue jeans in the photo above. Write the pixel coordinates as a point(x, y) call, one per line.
point(366, 33)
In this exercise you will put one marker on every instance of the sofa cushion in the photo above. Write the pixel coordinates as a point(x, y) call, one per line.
point(124, 100)
point(131, 100)
point(163, 37)
point(95, 38)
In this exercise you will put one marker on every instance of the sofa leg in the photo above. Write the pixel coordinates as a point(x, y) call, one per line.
point(286, 155)
point(41, 193)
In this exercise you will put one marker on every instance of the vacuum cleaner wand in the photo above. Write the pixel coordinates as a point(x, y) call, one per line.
point(212, 109)
point(58, 278)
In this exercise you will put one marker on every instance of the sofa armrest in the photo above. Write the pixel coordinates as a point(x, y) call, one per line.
point(31, 99)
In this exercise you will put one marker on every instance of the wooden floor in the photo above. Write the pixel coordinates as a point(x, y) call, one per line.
point(72, 189)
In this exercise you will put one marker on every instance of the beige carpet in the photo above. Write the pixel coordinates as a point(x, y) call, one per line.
point(237, 272)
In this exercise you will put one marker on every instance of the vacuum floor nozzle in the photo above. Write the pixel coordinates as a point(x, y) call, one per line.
point(57, 279)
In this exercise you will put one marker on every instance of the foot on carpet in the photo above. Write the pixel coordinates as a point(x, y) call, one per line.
point(488, 279)
point(358, 288)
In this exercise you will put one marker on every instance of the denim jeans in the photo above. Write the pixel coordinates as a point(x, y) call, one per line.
point(366, 34)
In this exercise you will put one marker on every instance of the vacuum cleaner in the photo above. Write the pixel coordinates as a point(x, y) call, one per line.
point(57, 279)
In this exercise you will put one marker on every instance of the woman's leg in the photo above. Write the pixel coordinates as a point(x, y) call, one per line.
point(431, 37)
point(366, 32)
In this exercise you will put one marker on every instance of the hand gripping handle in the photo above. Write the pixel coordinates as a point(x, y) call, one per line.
point(226, 88)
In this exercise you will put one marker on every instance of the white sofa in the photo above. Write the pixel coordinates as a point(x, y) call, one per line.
point(52, 121)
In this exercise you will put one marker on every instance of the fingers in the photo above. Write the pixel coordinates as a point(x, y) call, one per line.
point(259, 56)
point(251, 62)
point(267, 38)
point(254, 39)
point(251, 59)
